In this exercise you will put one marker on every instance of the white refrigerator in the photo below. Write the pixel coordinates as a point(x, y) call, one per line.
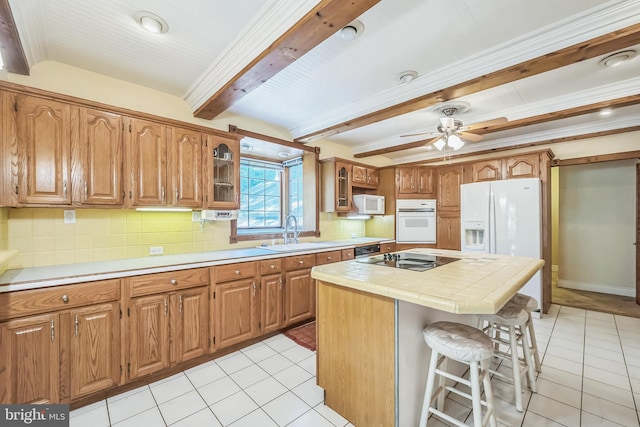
point(504, 217)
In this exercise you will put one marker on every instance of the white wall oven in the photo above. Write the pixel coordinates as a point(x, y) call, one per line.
point(416, 221)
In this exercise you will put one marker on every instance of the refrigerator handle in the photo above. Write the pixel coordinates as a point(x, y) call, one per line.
point(492, 223)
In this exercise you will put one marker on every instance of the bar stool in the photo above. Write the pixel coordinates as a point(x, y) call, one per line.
point(530, 304)
point(512, 319)
point(468, 345)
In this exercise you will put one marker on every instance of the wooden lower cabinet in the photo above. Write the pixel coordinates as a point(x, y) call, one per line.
point(189, 322)
point(94, 348)
point(236, 311)
point(299, 296)
point(148, 335)
point(29, 368)
point(271, 303)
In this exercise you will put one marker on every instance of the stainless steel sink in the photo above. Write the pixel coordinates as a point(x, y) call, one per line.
point(293, 247)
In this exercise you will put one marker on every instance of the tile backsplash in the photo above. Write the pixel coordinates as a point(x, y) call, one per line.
point(42, 238)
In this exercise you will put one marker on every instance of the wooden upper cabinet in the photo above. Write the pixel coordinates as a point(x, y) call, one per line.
point(185, 168)
point(148, 154)
point(44, 151)
point(415, 181)
point(524, 166)
point(98, 158)
point(488, 170)
point(362, 176)
point(222, 172)
point(29, 360)
point(336, 189)
point(449, 180)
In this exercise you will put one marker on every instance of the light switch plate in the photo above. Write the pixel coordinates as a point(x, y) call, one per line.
point(156, 250)
point(69, 217)
point(196, 216)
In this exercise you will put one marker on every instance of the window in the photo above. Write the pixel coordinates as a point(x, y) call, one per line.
point(265, 190)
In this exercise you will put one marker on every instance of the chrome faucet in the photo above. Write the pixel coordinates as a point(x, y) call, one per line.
point(287, 221)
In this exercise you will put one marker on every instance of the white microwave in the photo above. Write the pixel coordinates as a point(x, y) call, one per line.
point(369, 204)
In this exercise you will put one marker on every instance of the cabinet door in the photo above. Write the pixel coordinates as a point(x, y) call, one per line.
point(359, 175)
point(44, 144)
point(222, 172)
point(29, 351)
point(148, 163)
point(448, 231)
point(148, 335)
point(424, 177)
point(95, 349)
point(526, 166)
point(406, 178)
point(185, 168)
point(189, 320)
point(236, 310)
point(372, 177)
point(100, 152)
point(449, 180)
point(271, 301)
point(489, 170)
point(299, 296)
point(343, 187)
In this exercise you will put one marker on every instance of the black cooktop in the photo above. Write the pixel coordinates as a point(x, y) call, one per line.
point(408, 261)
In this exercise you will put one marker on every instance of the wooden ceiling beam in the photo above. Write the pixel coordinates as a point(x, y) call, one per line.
point(324, 20)
point(13, 55)
point(514, 124)
point(611, 42)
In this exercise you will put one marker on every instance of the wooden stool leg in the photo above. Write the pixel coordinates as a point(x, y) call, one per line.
point(428, 392)
point(515, 366)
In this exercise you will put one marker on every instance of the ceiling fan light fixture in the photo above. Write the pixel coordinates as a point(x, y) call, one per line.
point(617, 58)
point(439, 144)
point(151, 22)
point(352, 30)
point(455, 142)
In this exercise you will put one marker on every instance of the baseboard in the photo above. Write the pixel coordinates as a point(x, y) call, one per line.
point(595, 287)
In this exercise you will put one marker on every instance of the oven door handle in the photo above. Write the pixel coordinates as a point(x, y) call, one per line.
point(429, 210)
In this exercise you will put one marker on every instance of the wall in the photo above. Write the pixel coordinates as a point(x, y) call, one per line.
point(4, 229)
point(597, 227)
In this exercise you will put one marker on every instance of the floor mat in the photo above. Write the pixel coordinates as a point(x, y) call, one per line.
point(304, 335)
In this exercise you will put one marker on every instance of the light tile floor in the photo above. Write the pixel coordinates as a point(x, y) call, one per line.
point(591, 377)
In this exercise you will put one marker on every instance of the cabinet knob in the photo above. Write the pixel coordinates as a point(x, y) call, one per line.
point(237, 272)
point(273, 267)
point(65, 299)
point(174, 282)
point(301, 262)
point(328, 258)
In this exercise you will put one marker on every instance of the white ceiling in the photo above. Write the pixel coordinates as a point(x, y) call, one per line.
point(445, 41)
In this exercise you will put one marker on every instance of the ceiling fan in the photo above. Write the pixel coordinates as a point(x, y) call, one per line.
point(451, 132)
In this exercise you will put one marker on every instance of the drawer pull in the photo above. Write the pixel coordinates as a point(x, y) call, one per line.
point(174, 282)
point(328, 258)
point(237, 272)
point(273, 267)
point(65, 299)
point(301, 262)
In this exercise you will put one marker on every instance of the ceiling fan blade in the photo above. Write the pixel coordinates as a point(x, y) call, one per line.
point(421, 133)
point(471, 136)
point(488, 123)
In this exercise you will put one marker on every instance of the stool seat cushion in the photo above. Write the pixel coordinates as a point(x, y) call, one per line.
point(525, 301)
point(511, 314)
point(457, 341)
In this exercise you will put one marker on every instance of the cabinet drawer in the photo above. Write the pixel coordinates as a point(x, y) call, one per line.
point(243, 270)
point(21, 303)
point(346, 254)
point(328, 257)
point(299, 261)
point(163, 282)
point(269, 266)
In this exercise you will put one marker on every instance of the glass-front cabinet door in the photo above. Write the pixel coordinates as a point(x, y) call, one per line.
point(343, 188)
point(223, 177)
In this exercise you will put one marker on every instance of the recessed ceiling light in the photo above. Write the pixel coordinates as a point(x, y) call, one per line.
point(606, 112)
point(352, 30)
point(151, 22)
point(406, 76)
point(284, 154)
point(246, 146)
point(617, 58)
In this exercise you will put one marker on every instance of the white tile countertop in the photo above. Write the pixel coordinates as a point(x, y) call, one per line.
point(475, 284)
point(37, 277)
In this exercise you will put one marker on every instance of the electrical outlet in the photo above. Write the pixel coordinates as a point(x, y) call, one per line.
point(156, 250)
point(69, 217)
point(196, 216)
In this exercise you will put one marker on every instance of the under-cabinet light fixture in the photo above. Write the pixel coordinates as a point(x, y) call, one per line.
point(160, 209)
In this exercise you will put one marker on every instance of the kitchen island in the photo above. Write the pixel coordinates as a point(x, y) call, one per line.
point(372, 359)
